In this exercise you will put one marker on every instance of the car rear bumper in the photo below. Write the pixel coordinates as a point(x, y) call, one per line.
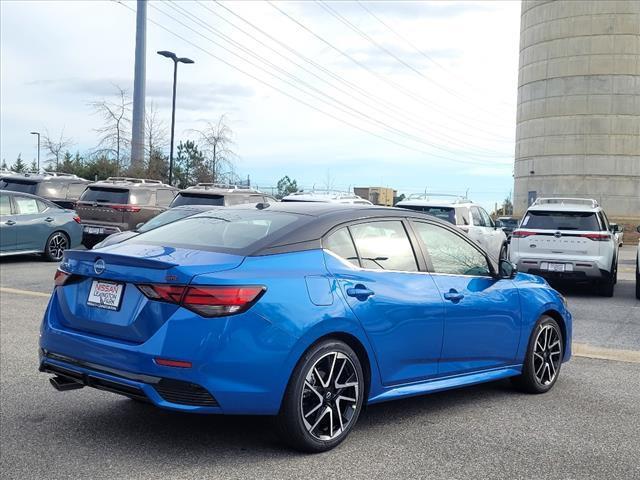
point(574, 270)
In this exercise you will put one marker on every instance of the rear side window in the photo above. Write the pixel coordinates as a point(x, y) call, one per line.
point(190, 199)
point(478, 220)
point(75, 190)
point(384, 245)
point(18, 186)
point(53, 190)
point(5, 205)
point(225, 231)
point(105, 195)
point(164, 196)
point(340, 243)
point(27, 206)
point(462, 216)
point(543, 220)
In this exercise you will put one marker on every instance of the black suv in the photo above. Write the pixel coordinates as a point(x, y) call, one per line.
point(219, 195)
point(63, 189)
point(118, 204)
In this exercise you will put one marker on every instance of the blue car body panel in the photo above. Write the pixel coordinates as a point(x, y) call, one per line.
point(422, 343)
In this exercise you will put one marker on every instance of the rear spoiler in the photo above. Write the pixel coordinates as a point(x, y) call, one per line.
point(113, 259)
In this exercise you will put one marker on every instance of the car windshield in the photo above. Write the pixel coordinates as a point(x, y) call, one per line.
point(444, 213)
point(232, 231)
point(167, 217)
point(550, 220)
point(195, 199)
point(18, 186)
point(509, 222)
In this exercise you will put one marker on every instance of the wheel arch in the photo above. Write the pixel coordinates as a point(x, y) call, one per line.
point(57, 230)
point(557, 316)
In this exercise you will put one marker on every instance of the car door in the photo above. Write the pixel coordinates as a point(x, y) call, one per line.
point(482, 313)
point(33, 223)
point(399, 308)
point(494, 237)
point(477, 230)
point(7, 224)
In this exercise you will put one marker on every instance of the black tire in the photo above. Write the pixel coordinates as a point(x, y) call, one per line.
point(503, 252)
point(56, 244)
point(606, 288)
point(301, 396)
point(534, 377)
point(637, 280)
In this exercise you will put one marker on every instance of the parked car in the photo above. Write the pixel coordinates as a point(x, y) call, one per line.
point(30, 224)
point(567, 239)
point(63, 189)
point(507, 224)
point(304, 311)
point(168, 216)
point(326, 196)
point(466, 215)
point(220, 195)
point(638, 269)
point(118, 204)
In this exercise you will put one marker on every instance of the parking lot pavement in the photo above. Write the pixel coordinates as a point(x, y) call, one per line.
point(588, 426)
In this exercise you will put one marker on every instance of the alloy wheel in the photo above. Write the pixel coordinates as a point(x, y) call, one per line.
point(57, 245)
point(329, 396)
point(546, 354)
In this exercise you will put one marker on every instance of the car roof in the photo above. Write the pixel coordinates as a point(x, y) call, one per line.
point(433, 203)
point(202, 208)
point(210, 192)
point(124, 183)
point(44, 177)
point(568, 207)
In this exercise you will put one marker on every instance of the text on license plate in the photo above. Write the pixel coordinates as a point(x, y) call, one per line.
point(105, 294)
point(556, 267)
point(94, 230)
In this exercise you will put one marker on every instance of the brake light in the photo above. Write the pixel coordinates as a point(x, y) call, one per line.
point(522, 233)
point(597, 237)
point(126, 208)
point(76, 219)
point(60, 277)
point(208, 301)
point(165, 362)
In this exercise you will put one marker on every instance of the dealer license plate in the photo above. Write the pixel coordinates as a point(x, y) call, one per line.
point(105, 294)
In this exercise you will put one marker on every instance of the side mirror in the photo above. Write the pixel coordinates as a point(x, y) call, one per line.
point(638, 229)
point(506, 269)
point(615, 228)
point(139, 225)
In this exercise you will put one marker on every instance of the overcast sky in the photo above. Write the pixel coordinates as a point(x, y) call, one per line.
point(407, 95)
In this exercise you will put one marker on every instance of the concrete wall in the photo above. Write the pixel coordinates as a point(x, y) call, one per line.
point(578, 123)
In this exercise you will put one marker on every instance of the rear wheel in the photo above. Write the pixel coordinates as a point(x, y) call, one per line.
point(56, 244)
point(503, 252)
point(637, 281)
point(543, 359)
point(323, 399)
point(607, 286)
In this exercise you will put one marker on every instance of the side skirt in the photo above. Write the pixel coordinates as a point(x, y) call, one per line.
point(431, 386)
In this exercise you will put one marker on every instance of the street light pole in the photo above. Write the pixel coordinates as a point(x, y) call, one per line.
point(176, 60)
point(38, 134)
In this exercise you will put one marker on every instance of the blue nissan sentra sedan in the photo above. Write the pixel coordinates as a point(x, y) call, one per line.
point(301, 311)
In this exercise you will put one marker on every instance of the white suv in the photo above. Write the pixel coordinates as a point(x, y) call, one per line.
point(567, 238)
point(468, 216)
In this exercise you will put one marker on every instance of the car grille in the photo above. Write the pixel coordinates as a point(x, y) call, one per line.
point(184, 393)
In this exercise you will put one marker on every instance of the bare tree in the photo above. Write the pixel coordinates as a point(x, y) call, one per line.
point(117, 122)
point(55, 148)
point(155, 131)
point(216, 143)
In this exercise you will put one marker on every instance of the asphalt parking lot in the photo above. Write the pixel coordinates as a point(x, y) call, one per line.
point(588, 426)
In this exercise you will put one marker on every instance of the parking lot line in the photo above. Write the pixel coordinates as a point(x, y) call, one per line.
point(589, 351)
point(24, 292)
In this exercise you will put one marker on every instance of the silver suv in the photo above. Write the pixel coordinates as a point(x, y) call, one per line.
point(63, 189)
point(567, 239)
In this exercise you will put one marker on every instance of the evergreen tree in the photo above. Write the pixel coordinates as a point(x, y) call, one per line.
point(34, 167)
point(19, 165)
point(189, 166)
point(4, 165)
point(286, 186)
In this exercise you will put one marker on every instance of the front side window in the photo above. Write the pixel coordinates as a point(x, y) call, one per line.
point(486, 219)
point(384, 246)
point(340, 243)
point(26, 206)
point(449, 253)
point(478, 221)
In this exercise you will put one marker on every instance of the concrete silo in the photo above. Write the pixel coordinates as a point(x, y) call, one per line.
point(578, 123)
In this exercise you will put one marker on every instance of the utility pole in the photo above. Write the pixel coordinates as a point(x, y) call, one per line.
point(137, 123)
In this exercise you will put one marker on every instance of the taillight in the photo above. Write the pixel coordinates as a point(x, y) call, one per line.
point(60, 278)
point(208, 301)
point(522, 233)
point(76, 219)
point(597, 237)
point(126, 208)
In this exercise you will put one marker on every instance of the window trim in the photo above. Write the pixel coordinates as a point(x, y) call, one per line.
point(459, 233)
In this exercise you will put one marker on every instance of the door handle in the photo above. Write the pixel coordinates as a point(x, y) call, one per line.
point(49, 219)
point(9, 222)
point(453, 295)
point(360, 292)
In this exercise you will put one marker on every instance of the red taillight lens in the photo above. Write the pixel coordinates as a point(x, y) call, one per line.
point(126, 208)
point(165, 362)
point(76, 219)
point(522, 233)
point(597, 237)
point(208, 301)
point(60, 278)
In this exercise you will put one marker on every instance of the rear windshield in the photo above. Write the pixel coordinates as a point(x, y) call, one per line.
point(582, 221)
point(18, 186)
point(195, 199)
point(444, 213)
point(164, 218)
point(105, 195)
point(226, 231)
point(509, 222)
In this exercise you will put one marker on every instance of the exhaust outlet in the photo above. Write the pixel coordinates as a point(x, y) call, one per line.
point(63, 384)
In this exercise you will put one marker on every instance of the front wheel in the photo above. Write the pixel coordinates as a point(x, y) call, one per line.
point(56, 244)
point(543, 359)
point(323, 399)
point(503, 252)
